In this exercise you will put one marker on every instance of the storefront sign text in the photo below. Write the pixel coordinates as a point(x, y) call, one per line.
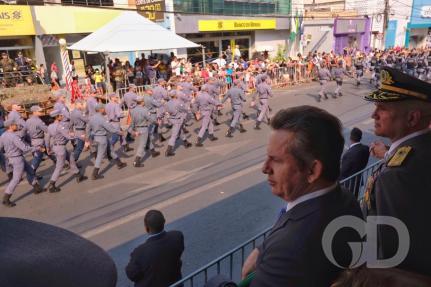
point(151, 9)
point(16, 20)
point(234, 25)
point(426, 11)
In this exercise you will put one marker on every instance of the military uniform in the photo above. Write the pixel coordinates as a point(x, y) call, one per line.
point(175, 109)
point(401, 185)
point(99, 127)
point(56, 140)
point(78, 120)
point(263, 92)
point(7, 66)
point(324, 77)
point(114, 115)
point(36, 130)
point(338, 73)
point(140, 126)
point(206, 105)
point(359, 68)
point(14, 150)
point(237, 98)
point(91, 105)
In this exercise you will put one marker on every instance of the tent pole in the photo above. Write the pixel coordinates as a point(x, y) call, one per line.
point(107, 75)
point(203, 56)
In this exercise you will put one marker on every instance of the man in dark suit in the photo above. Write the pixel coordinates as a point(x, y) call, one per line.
point(401, 186)
point(303, 166)
point(157, 262)
point(354, 160)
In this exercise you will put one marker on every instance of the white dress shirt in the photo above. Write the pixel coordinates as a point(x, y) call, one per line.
point(309, 196)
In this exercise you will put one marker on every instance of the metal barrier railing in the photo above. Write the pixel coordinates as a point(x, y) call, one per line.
point(231, 262)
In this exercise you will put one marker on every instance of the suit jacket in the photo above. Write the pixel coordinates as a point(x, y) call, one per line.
point(292, 254)
point(404, 192)
point(157, 262)
point(354, 160)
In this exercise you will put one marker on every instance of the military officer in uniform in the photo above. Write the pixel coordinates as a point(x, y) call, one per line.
point(100, 127)
point(56, 139)
point(359, 68)
point(91, 104)
point(338, 73)
point(129, 98)
point(15, 116)
point(401, 186)
point(60, 105)
point(14, 150)
point(79, 120)
point(205, 104)
point(114, 115)
point(214, 91)
point(263, 92)
point(324, 77)
point(175, 109)
point(140, 128)
point(237, 98)
point(36, 130)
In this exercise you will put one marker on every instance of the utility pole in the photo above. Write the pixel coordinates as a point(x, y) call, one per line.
point(385, 21)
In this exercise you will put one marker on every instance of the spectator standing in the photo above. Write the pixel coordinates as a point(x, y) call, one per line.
point(354, 160)
point(54, 75)
point(303, 166)
point(228, 54)
point(237, 53)
point(157, 262)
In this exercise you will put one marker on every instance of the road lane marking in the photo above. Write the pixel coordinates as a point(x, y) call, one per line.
point(161, 205)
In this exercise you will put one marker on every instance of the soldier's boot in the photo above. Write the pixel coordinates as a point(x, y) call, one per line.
point(120, 164)
point(245, 116)
point(185, 130)
point(242, 129)
point(216, 123)
point(7, 202)
point(108, 155)
point(212, 138)
point(326, 96)
point(127, 148)
point(187, 144)
point(52, 188)
point(199, 142)
point(80, 177)
point(257, 126)
point(9, 176)
point(340, 94)
point(170, 151)
point(319, 98)
point(95, 175)
point(161, 138)
point(334, 96)
point(93, 155)
point(137, 162)
point(358, 83)
point(154, 153)
point(229, 132)
point(37, 189)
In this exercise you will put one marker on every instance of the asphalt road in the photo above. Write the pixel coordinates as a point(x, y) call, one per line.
point(216, 195)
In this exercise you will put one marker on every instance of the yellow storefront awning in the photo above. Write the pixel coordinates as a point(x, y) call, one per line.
point(236, 25)
point(16, 20)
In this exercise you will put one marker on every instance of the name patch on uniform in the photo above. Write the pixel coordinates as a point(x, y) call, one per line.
point(399, 156)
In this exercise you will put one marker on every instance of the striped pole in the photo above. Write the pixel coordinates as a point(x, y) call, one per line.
point(67, 69)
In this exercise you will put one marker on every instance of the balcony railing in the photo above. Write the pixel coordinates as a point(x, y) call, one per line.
point(230, 263)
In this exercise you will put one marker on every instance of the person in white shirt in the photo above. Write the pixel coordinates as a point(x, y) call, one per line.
point(401, 186)
point(221, 62)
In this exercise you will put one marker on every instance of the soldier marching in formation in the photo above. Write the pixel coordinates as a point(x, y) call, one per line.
point(169, 105)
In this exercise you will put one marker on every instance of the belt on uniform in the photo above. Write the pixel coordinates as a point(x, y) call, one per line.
point(153, 112)
point(112, 121)
point(79, 129)
point(59, 144)
point(141, 127)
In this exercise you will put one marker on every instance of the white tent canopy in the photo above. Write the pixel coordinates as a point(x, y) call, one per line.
point(131, 32)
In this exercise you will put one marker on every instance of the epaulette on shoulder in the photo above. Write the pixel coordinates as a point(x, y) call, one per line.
point(398, 158)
